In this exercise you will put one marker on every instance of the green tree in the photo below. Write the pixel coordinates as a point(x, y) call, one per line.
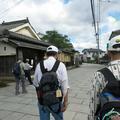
point(57, 39)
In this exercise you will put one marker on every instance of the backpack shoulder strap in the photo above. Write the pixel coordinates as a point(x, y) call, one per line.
point(107, 74)
point(43, 70)
point(55, 67)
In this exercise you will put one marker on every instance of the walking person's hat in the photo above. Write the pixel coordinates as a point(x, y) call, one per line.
point(114, 44)
point(52, 49)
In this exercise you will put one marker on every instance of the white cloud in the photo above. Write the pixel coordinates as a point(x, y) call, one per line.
point(73, 19)
point(112, 24)
point(84, 45)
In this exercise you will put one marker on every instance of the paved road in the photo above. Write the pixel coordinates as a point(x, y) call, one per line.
point(24, 106)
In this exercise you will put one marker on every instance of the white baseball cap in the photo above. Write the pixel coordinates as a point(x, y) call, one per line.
point(114, 44)
point(52, 48)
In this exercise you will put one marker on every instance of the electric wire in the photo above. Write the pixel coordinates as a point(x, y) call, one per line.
point(93, 15)
point(13, 6)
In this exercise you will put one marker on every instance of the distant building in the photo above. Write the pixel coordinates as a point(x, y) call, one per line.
point(91, 54)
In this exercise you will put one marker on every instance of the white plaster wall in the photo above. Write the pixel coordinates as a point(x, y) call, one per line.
point(89, 54)
point(84, 58)
point(9, 49)
point(102, 54)
point(26, 31)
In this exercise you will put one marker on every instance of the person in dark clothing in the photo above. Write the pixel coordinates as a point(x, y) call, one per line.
point(19, 74)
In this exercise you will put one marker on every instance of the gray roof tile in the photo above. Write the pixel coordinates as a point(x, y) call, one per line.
point(13, 24)
point(92, 50)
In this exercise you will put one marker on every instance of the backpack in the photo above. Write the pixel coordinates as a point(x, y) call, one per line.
point(110, 95)
point(113, 85)
point(16, 69)
point(49, 91)
point(109, 110)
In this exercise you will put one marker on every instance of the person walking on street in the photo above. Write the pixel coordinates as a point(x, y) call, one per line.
point(28, 67)
point(49, 64)
point(19, 74)
point(100, 86)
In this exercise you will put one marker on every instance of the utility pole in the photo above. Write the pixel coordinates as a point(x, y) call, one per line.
point(98, 25)
point(98, 30)
point(96, 22)
point(93, 15)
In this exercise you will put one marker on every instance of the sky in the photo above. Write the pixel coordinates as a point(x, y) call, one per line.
point(68, 17)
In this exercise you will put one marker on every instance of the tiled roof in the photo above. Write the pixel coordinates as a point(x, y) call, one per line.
point(20, 40)
point(23, 41)
point(92, 50)
point(13, 24)
point(28, 45)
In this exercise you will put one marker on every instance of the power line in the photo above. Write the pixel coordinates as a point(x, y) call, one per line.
point(96, 22)
point(96, 14)
point(3, 3)
point(8, 9)
point(17, 3)
point(93, 15)
point(98, 29)
point(2, 0)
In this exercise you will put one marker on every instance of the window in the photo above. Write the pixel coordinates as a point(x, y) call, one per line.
point(4, 48)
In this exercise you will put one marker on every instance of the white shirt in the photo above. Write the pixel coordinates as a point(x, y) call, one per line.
point(28, 66)
point(61, 73)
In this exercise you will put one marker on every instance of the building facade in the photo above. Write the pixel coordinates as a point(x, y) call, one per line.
point(19, 40)
point(91, 54)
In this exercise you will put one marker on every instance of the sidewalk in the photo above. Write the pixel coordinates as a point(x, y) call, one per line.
point(24, 106)
point(21, 107)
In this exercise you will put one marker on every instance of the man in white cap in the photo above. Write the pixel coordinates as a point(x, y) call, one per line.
point(48, 63)
point(100, 83)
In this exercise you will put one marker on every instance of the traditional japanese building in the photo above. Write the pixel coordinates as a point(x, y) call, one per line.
point(18, 40)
